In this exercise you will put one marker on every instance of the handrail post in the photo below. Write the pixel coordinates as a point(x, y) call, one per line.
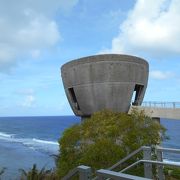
point(147, 166)
point(160, 167)
point(174, 105)
point(84, 172)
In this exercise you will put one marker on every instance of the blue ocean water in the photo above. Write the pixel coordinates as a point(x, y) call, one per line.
point(28, 140)
point(173, 132)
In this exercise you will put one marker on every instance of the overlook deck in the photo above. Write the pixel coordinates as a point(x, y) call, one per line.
point(168, 110)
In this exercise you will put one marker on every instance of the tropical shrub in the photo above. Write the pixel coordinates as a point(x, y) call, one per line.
point(35, 174)
point(105, 138)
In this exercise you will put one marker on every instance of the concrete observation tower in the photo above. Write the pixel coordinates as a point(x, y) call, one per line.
point(107, 81)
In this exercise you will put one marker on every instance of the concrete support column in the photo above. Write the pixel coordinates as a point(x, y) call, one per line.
point(84, 172)
point(156, 119)
point(147, 166)
point(160, 167)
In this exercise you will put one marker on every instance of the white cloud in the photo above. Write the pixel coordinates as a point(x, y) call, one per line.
point(35, 53)
point(26, 92)
point(152, 27)
point(160, 75)
point(28, 97)
point(29, 101)
point(27, 27)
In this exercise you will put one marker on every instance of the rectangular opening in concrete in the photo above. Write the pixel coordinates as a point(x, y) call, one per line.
point(73, 98)
point(137, 93)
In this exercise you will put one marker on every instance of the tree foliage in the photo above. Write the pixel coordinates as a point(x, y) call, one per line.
point(35, 174)
point(105, 138)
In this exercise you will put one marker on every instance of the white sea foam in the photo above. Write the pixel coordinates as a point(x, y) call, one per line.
point(171, 162)
point(32, 143)
point(44, 141)
point(5, 135)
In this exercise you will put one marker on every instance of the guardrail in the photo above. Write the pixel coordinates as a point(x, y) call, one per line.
point(104, 174)
point(85, 171)
point(158, 104)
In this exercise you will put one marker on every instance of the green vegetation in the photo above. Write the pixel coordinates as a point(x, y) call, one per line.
point(35, 174)
point(105, 138)
point(101, 141)
point(172, 173)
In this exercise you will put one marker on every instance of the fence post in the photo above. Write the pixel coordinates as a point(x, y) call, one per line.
point(84, 172)
point(174, 105)
point(147, 166)
point(160, 167)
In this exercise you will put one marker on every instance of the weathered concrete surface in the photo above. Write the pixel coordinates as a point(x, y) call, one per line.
point(104, 82)
point(168, 113)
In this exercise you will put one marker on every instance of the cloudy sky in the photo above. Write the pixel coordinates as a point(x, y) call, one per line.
point(37, 37)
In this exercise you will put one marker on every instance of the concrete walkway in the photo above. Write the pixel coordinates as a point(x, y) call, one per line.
point(158, 112)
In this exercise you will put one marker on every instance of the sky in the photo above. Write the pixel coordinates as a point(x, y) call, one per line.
point(38, 37)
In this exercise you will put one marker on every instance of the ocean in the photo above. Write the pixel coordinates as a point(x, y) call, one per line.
point(25, 141)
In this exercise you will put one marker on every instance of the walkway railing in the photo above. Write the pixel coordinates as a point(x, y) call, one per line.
point(85, 171)
point(158, 104)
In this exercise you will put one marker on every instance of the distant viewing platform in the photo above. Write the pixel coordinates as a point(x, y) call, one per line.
point(161, 104)
point(168, 110)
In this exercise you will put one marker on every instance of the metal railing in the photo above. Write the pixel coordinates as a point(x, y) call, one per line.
point(126, 158)
point(159, 153)
point(146, 156)
point(158, 104)
point(107, 174)
point(85, 171)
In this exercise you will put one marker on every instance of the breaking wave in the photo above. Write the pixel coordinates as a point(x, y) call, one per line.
point(2, 134)
point(46, 146)
point(171, 162)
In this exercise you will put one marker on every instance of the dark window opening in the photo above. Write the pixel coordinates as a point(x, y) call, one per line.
point(73, 97)
point(136, 95)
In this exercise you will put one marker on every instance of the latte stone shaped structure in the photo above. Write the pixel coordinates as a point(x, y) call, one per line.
point(108, 81)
